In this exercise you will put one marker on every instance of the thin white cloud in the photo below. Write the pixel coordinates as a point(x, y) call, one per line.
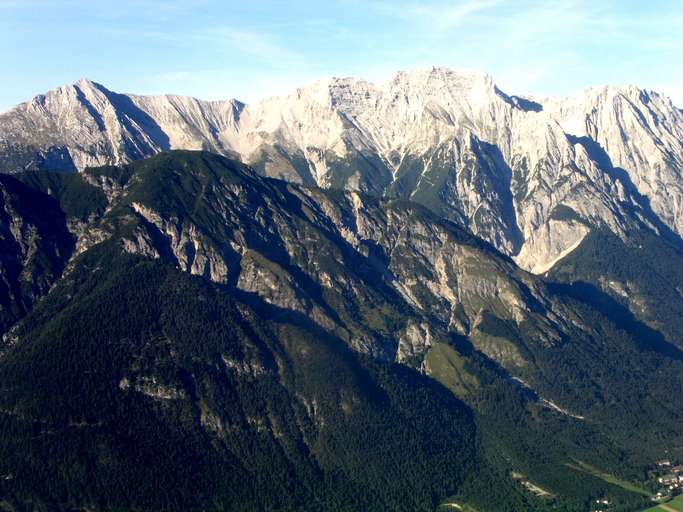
point(220, 40)
point(440, 16)
point(260, 45)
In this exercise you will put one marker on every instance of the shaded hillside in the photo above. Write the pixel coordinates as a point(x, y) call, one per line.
point(277, 342)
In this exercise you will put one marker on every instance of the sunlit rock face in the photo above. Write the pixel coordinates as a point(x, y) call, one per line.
point(531, 176)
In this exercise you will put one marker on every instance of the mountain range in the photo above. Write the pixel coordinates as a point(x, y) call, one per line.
point(508, 167)
point(355, 297)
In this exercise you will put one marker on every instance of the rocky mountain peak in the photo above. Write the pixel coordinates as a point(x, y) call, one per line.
point(427, 78)
point(85, 82)
point(502, 164)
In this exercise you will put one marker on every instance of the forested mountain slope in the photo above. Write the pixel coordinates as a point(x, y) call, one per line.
point(229, 341)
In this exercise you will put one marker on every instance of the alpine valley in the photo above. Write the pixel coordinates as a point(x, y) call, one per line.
point(418, 295)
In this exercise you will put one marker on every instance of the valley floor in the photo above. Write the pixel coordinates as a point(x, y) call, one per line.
point(675, 505)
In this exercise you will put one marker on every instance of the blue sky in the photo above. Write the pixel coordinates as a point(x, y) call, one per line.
point(255, 48)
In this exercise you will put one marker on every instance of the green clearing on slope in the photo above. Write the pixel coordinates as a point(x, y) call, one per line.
point(448, 367)
point(610, 479)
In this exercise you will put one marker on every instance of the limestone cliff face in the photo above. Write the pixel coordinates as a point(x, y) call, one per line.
point(389, 278)
point(530, 176)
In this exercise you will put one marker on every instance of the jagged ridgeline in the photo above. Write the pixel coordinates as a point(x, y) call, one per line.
point(531, 176)
point(181, 333)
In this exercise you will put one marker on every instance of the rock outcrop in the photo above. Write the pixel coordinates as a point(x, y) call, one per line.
point(530, 176)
